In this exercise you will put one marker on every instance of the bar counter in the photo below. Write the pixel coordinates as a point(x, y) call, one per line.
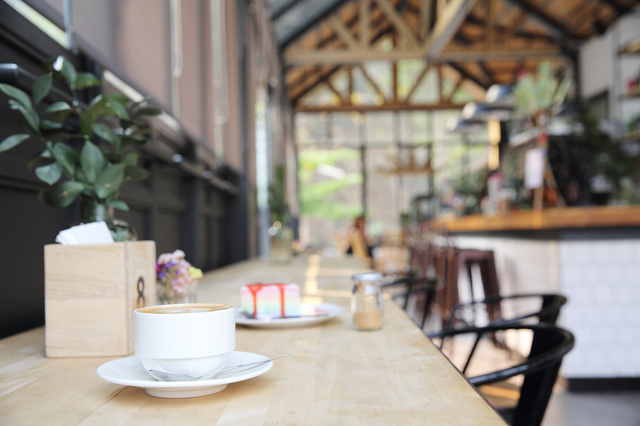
point(565, 218)
point(335, 374)
point(589, 254)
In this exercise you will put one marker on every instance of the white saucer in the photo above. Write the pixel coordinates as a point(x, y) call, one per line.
point(329, 311)
point(129, 372)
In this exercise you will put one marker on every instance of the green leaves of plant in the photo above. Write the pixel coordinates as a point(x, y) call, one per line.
point(135, 173)
point(66, 156)
point(101, 105)
point(50, 125)
point(95, 109)
point(103, 131)
point(131, 159)
point(56, 107)
point(109, 180)
point(41, 88)
point(30, 116)
point(49, 174)
point(85, 80)
point(148, 111)
point(13, 141)
point(66, 70)
point(120, 205)
point(92, 161)
point(17, 94)
point(64, 193)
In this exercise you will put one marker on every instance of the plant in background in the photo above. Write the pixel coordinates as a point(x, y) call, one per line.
point(320, 197)
point(539, 97)
point(175, 277)
point(277, 197)
point(606, 157)
point(86, 152)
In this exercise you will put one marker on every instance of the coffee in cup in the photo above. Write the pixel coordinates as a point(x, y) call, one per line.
point(192, 339)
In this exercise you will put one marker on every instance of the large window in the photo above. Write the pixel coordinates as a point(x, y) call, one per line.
point(378, 140)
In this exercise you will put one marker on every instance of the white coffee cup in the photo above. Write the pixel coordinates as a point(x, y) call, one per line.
point(192, 339)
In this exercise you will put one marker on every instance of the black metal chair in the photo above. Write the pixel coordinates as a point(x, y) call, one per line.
point(550, 344)
point(548, 312)
point(416, 286)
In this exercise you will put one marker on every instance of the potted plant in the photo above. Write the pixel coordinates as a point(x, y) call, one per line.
point(281, 234)
point(539, 98)
point(87, 152)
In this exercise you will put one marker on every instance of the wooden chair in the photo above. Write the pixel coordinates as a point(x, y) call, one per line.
point(359, 246)
point(540, 370)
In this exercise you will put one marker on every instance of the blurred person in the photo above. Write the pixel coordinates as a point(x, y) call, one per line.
point(358, 231)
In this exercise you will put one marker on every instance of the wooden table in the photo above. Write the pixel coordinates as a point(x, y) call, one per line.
point(335, 374)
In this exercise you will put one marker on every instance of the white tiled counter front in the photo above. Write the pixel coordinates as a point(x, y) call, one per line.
point(601, 279)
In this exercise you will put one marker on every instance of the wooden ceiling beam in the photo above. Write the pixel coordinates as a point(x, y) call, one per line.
point(417, 82)
point(545, 20)
point(408, 37)
point(620, 9)
point(309, 87)
point(450, 17)
point(344, 33)
point(451, 55)
point(454, 90)
point(384, 107)
point(466, 74)
point(364, 17)
point(331, 87)
point(371, 81)
point(424, 20)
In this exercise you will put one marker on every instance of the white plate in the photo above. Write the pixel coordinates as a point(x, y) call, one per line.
point(129, 372)
point(331, 310)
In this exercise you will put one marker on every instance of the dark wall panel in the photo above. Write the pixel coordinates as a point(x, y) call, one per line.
point(25, 227)
point(174, 207)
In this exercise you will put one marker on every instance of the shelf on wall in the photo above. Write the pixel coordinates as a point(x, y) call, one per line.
point(632, 48)
point(633, 92)
point(632, 136)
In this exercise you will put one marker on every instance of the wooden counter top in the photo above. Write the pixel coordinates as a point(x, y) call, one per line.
point(335, 374)
point(572, 217)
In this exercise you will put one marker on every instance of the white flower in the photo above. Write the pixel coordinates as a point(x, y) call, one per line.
point(178, 255)
point(165, 258)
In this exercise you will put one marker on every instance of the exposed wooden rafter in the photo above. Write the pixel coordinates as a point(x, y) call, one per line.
point(384, 107)
point(478, 42)
point(335, 56)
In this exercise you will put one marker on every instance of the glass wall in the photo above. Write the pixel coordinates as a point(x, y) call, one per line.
point(376, 142)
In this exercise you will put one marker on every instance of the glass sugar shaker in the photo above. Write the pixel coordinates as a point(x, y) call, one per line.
point(366, 301)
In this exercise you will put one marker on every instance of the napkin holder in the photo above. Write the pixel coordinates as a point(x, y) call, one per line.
point(91, 292)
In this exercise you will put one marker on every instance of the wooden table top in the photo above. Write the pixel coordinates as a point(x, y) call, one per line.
point(335, 374)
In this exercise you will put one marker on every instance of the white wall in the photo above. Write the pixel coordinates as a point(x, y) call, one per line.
point(601, 68)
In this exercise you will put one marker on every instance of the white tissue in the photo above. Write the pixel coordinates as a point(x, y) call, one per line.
point(87, 233)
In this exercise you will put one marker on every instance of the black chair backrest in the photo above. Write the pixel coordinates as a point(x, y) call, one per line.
point(549, 345)
point(548, 312)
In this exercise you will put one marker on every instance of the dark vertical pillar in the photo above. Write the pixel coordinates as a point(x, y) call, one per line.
point(363, 165)
point(236, 222)
point(191, 230)
point(577, 77)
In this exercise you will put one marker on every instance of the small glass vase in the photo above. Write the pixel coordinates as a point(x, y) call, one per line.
point(281, 245)
point(367, 304)
point(167, 294)
point(94, 211)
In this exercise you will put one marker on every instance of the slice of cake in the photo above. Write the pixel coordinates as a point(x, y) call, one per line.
point(263, 301)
